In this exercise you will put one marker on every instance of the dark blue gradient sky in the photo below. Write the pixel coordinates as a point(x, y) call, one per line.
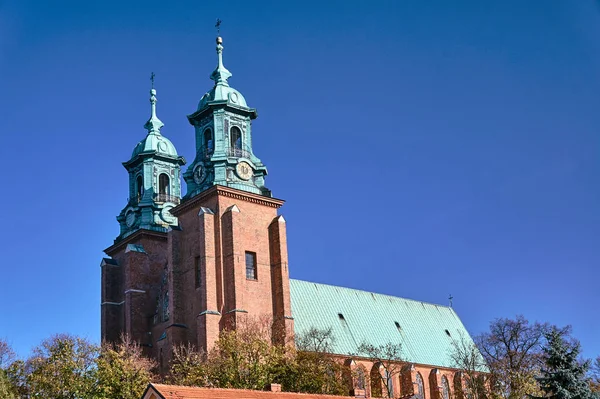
point(424, 148)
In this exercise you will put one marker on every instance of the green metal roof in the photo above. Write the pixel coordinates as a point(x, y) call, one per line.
point(372, 318)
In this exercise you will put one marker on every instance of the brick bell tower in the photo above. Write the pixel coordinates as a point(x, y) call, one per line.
point(222, 256)
point(228, 257)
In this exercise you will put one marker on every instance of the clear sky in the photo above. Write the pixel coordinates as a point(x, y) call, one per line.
point(424, 148)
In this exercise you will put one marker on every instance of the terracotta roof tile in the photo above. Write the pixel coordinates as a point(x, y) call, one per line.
point(179, 392)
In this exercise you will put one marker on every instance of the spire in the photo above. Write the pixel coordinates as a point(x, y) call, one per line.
point(154, 124)
point(220, 74)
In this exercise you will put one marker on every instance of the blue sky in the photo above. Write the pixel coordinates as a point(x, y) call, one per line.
point(423, 148)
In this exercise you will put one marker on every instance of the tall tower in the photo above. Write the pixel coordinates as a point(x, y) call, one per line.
point(223, 125)
point(228, 258)
point(138, 258)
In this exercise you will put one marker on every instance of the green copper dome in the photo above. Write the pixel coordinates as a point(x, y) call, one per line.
point(154, 141)
point(222, 92)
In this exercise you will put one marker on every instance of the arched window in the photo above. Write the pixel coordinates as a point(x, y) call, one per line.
point(375, 377)
point(445, 388)
point(235, 137)
point(208, 141)
point(419, 387)
point(163, 184)
point(139, 187)
point(360, 377)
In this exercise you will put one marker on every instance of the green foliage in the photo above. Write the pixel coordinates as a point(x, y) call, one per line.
point(595, 376)
point(6, 388)
point(62, 367)
point(122, 371)
point(7, 356)
point(246, 359)
point(189, 367)
point(563, 376)
point(242, 359)
point(68, 367)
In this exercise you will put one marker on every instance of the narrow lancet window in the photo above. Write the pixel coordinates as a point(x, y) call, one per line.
point(251, 266)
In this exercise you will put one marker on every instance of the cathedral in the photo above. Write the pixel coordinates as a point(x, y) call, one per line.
point(185, 267)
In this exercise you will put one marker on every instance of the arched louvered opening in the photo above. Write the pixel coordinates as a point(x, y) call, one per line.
point(208, 141)
point(163, 184)
point(235, 137)
point(139, 187)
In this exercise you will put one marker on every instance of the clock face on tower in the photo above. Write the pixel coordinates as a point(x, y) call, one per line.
point(130, 218)
point(199, 174)
point(244, 170)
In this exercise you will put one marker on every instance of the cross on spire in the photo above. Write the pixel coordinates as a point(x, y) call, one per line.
point(218, 26)
point(152, 75)
point(450, 298)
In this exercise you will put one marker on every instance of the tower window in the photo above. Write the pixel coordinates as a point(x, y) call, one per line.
point(139, 187)
point(163, 184)
point(251, 266)
point(208, 141)
point(235, 137)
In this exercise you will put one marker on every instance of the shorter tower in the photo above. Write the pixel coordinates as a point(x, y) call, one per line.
point(154, 184)
point(131, 291)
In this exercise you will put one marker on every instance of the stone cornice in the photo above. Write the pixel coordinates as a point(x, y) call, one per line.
point(138, 234)
point(226, 192)
point(196, 116)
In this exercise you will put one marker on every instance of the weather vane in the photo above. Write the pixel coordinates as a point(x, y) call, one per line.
point(152, 75)
point(218, 26)
point(450, 298)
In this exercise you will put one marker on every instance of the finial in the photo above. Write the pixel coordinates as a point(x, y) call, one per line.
point(154, 124)
point(450, 298)
point(218, 26)
point(220, 74)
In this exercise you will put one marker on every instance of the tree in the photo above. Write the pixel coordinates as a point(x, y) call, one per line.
point(513, 352)
point(595, 376)
point(243, 358)
point(62, 367)
point(122, 371)
point(563, 376)
point(189, 367)
point(7, 358)
point(311, 367)
point(387, 360)
point(467, 358)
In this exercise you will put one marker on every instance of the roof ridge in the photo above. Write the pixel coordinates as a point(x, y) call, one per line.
point(376, 293)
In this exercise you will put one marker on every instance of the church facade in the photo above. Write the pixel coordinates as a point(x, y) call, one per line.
point(183, 268)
